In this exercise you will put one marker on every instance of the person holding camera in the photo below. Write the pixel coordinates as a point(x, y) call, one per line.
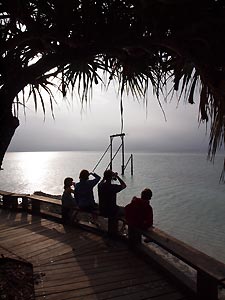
point(107, 192)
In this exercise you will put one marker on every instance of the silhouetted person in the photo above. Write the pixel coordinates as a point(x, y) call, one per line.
point(139, 213)
point(68, 201)
point(107, 192)
point(84, 191)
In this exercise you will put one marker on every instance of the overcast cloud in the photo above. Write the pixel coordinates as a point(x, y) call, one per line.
point(90, 128)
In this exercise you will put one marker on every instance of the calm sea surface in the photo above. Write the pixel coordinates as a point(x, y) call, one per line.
point(188, 200)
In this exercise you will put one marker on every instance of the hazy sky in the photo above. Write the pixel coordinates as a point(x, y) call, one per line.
point(90, 128)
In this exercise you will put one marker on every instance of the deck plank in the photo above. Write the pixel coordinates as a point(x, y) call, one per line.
point(53, 279)
point(71, 263)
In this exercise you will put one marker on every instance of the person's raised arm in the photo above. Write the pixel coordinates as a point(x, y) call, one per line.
point(96, 178)
point(122, 183)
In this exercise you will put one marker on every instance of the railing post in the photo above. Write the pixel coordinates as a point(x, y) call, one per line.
point(14, 202)
point(113, 226)
point(35, 206)
point(134, 237)
point(10, 201)
point(207, 287)
point(25, 203)
point(6, 200)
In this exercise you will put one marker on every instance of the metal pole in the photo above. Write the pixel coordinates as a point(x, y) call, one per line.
point(122, 138)
point(131, 165)
point(114, 156)
point(111, 152)
point(101, 158)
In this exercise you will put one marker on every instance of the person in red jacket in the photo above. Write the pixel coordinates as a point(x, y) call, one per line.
point(139, 213)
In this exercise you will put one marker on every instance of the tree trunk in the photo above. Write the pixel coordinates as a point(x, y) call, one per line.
point(8, 125)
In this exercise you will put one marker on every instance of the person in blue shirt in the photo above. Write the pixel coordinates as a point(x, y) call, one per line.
point(83, 192)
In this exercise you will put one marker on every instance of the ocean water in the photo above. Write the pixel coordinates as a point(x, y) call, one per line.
point(188, 199)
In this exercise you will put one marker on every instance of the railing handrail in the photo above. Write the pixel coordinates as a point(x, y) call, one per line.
point(188, 254)
point(210, 272)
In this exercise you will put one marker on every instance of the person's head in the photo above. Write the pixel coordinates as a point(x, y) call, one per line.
point(146, 194)
point(84, 175)
point(68, 181)
point(108, 175)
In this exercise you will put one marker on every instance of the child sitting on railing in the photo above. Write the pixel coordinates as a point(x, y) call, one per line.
point(68, 201)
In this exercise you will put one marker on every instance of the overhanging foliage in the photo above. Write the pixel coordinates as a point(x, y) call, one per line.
point(138, 43)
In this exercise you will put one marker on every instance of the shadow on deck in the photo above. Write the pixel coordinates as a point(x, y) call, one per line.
point(71, 263)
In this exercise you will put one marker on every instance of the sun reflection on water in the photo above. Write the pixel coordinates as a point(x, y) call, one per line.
point(35, 166)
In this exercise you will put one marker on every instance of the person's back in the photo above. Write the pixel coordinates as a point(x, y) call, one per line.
point(139, 212)
point(84, 190)
point(67, 198)
point(107, 198)
point(107, 192)
point(68, 201)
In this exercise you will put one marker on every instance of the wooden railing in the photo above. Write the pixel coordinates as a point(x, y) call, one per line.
point(210, 273)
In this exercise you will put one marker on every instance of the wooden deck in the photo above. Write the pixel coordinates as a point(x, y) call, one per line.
point(70, 263)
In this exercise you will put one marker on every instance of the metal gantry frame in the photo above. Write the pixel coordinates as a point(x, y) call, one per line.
point(122, 146)
point(112, 156)
point(122, 150)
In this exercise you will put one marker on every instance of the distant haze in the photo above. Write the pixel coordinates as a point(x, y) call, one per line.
point(89, 128)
